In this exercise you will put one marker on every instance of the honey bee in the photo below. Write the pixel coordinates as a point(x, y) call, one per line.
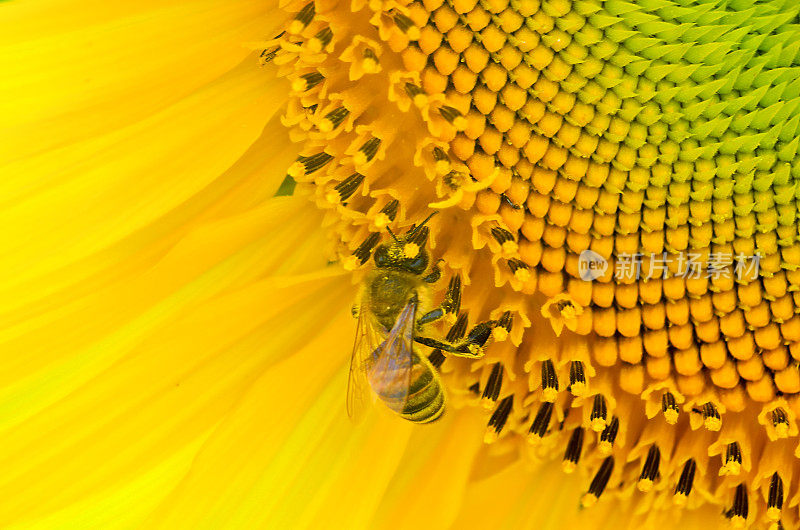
point(391, 313)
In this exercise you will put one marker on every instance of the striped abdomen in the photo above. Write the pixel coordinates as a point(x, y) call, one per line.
point(419, 398)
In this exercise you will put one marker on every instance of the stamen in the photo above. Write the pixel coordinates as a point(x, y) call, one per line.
point(740, 508)
point(650, 469)
point(711, 418)
point(519, 269)
point(492, 389)
point(498, 419)
point(302, 19)
point(370, 63)
point(452, 298)
point(367, 151)
point(348, 186)
point(268, 54)
point(440, 157)
point(503, 327)
point(549, 381)
point(599, 417)
point(670, 408)
point(307, 81)
point(333, 119)
point(733, 460)
point(459, 328)
point(514, 206)
point(775, 498)
point(502, 235)
point(455, 179)
point(475, 388)
point(407, 26)
point(319, 41)
point(781, 422)
point(684, 487)
point(416, 94)
point(541, 422)
point(599, 482)
point(573, 453)
point(390, 210)
point(608, 436)
point(365, 249)
point(309, 164)
point(577, 379)
point(387, 214)
point(453, 116)
point(419, 237)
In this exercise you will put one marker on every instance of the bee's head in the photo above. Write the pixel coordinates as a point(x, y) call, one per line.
point(403, 255)
point(406, 253)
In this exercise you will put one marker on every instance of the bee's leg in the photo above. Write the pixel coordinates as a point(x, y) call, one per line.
point(481, 333)
point(472, 346)
point(431, 316)
point(435, 274)
point(476, 340)
point(456, 332)
point(463, 349)
point(450, 305)
point(434, 343)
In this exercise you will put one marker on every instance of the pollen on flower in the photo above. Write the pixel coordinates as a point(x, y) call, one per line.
point(619, 179)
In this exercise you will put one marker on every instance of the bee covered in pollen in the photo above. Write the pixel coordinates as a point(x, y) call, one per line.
point(392, 313)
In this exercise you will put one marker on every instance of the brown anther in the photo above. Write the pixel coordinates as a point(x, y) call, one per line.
point(711, 418)
point(348, 186)
point(685, 482)
point(311, 80)
point(368, 150)
point(775, 498)
point(365, 248)
point(541, 422)
point(781, 422)
point(740, 507)
point(493, 385)
point(549, 381)
point(498, 419)
point(333, 119)
point(574, 448)
point(670, 408)
point(733, 459)
point(502, 235)
point(608, 436)
point(577, 378)
point(302, 18)
point(599, 482)
point(599, 416)
point(649, 469)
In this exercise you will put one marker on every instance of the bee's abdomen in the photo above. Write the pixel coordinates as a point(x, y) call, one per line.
point(425, 401)
point(417, 396)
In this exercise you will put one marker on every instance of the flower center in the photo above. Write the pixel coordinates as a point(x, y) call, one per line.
point(619, 180)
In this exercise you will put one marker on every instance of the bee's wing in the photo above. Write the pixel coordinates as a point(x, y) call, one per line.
point(390, 374)
point(368, 339)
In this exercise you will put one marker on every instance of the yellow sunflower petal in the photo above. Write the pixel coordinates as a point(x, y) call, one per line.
point(160, 359)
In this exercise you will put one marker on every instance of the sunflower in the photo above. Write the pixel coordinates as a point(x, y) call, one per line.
point(193, 191)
